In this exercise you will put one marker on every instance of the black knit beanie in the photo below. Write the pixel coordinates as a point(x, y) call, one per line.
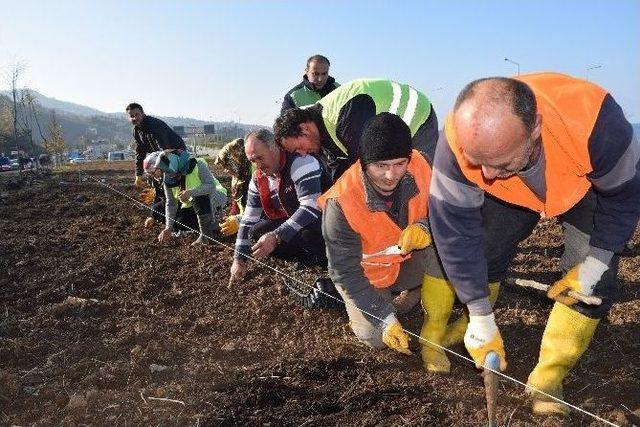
point(384, 137)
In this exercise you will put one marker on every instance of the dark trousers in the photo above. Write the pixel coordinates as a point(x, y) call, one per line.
point(506, 225)
point(306, 247)
point(159, 187)
point(186, 218)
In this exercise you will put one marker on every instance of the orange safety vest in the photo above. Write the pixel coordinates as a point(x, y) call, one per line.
point(380, 257)
point(569, 109)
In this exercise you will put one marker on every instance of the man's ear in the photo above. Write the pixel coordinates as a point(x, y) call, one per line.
point(537, 127)
point(306, 128)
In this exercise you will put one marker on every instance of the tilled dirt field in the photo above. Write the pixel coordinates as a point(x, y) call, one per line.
point(155, 337)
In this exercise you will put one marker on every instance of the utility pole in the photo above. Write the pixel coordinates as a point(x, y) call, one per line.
point(514, 63)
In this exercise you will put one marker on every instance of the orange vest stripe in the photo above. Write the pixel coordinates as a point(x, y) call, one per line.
point(377, 231)
point(569, 109)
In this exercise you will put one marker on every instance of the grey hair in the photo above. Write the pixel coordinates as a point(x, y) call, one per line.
point(263, 135)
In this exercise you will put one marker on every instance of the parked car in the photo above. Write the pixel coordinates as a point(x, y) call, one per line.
point(28, 163)
point(79, 160)
point(44, 159)
point(114, 156)
point(15, 164)
point(5, 164)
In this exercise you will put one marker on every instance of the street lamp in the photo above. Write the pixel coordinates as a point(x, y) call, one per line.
point(592, 67)
point(515, 63)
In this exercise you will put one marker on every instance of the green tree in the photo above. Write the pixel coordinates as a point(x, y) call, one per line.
point(6, 129)
point(56, 144)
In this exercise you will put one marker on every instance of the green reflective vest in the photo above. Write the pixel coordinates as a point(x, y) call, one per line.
point(396, 98)
point(192, 180)
point(304, 96)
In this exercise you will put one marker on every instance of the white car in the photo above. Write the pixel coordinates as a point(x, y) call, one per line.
point(79, 160)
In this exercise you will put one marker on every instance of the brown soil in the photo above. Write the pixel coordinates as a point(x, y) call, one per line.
point(153, 336)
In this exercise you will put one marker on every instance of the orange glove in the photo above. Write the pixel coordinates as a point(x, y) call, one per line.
point(582, 278)
point(395, 338)
point(148, 196)
point(482, 337)
point(414, 237)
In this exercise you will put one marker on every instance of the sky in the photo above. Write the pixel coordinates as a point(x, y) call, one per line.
point(235, 60)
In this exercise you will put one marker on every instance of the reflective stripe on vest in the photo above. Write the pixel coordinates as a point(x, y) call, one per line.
point(378, 233)
point(304, 97)
point(388, 96)
point(569, 109)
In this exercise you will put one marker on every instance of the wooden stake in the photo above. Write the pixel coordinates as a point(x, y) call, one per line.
point(587, 299)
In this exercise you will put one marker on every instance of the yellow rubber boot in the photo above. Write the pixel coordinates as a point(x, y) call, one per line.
point(566, 336)
point(437, 302)
point(456, 330)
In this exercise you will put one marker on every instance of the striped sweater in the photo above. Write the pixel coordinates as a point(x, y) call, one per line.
point(304, 173)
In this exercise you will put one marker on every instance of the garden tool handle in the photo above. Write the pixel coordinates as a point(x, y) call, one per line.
point(587, 299)
point(492, 361)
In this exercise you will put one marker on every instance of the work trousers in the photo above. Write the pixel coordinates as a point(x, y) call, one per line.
point(506, 225)
point(186, 218)
point(411, 275)
point(307, 247)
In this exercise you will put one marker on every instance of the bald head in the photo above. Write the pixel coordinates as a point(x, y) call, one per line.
point(496, 124)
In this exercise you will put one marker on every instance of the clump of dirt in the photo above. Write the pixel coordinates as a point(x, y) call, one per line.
point(101, 325)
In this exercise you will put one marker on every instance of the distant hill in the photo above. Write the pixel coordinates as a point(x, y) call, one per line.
point(78, 120)
point(85, 111)
point(74, 126)
point(62, 106)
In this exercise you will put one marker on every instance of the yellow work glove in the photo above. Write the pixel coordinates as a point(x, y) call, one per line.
point(395, 338)
point(414, 237)
point(148, 196)
point(149, 222)
point(139, 182)
point(230, 225)
point(582, 278)
point(482, 337)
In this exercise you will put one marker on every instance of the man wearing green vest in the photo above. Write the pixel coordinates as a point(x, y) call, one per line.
point(331, 128)
point(190, 189)
point(316, 83)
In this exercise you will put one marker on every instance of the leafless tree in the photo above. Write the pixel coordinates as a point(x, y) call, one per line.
point(14, 75)
point(31, 108)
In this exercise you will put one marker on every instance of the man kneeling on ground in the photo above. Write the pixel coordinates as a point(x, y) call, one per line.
point(194, 197)
point(282, 217)
point(375, 226)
